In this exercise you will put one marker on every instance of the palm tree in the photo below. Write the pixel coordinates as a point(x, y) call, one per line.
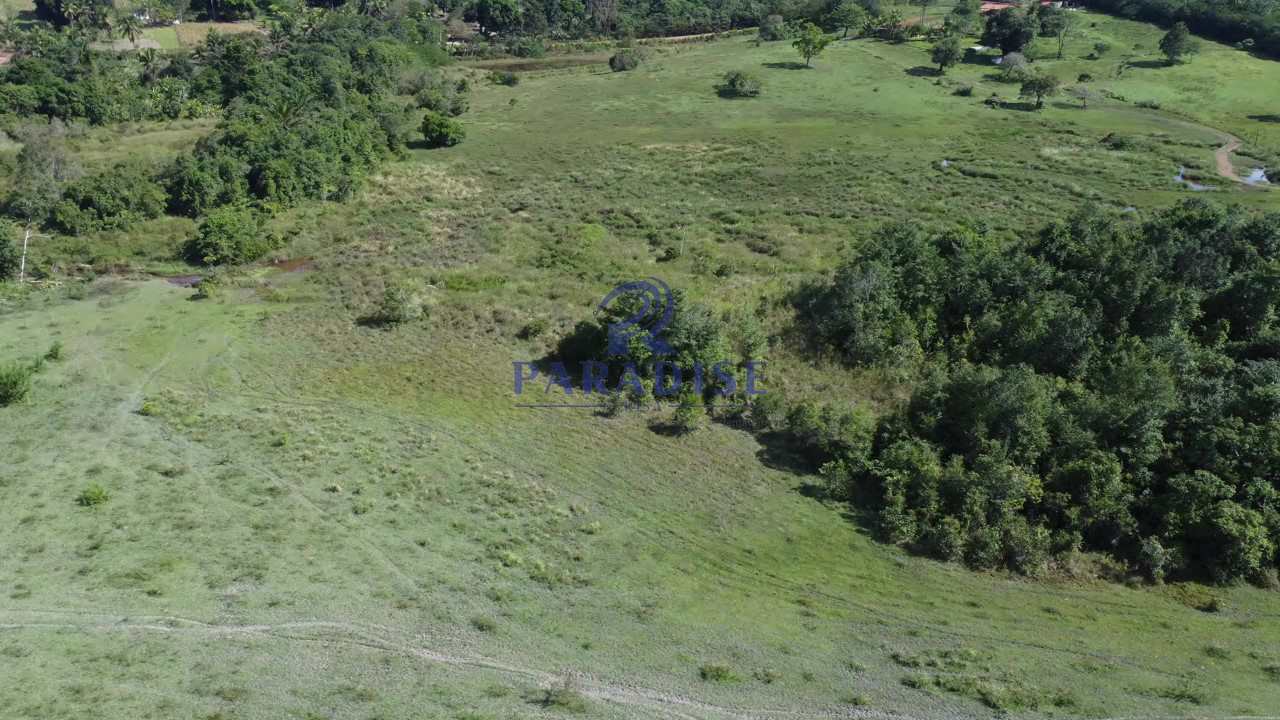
point(131, 27)
point(150, 60)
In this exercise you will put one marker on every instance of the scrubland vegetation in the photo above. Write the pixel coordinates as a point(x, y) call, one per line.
point(1018, 450)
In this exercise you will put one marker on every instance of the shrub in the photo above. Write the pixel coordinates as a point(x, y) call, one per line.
point(688, 416)
point(527, 47)
point(963, 90)
point(504, 77)
point(10, 254)
point(1014, 67)
point(484, 624)
point(712, 672)
point(92, 496)
point(1148, 104)
point(624, 60)
point(15, 383)
point(229, 235)
point(54, 352)
point(442, 95)
point(439, 131)
point(109, 201)
point(401, 302)
point(773, 27)
point(739, 84)
point(562, 698)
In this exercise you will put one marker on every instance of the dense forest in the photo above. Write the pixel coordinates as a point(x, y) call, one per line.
point(1108, 385)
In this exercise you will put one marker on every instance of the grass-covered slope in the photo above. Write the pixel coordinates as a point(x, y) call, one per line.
point(307, 517)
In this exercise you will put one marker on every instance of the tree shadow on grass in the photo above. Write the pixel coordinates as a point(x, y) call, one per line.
point(778, 453)
point(1019, 106)
point(787, 66)
point(923, 71)
point(1266, 118)
point(1149, 64)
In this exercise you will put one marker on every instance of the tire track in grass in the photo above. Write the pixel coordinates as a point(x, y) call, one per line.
point(330, 632)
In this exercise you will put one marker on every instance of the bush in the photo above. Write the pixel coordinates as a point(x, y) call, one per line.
point(15, 382)
point(689, 415)
point(92, 496)
point(401, 303)
point(738, 84)
point(772, 28)
point(229, 235)
point(527, 47)
point(963, 90)
point(109, 201)
point(717, 673)
point(439, 131)
point(624, 60)
point(1014, 68)
point(504, 77)
point(442, 95)
point(10, 254)
point(54, 352)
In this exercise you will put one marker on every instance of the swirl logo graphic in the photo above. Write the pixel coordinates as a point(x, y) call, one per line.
point(648, 319)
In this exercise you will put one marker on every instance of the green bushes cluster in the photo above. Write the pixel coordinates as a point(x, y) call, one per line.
point(229, 235)
point(739, 84)
point(439, 131)
point(15, 382)
point(1104, 386)
point(116, 199)
point(625, 59)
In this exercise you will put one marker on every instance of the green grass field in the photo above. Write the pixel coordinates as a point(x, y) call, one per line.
point(310, 518)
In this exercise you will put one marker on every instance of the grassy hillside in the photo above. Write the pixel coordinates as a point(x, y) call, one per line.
point(309, 517)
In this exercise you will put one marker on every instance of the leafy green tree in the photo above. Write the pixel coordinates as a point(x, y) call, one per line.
point(228, 236)
point(846, 15)
point(1040, 86)
point(1178, 44)
point(496, 16)
point(1056, 23)
point(773, 27)
point(947, 52)
point(1010, 29)
point(963, 18)
point(810, 42)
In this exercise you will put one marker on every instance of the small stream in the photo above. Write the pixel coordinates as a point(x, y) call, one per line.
point(1257, 176)
point(1191, 184)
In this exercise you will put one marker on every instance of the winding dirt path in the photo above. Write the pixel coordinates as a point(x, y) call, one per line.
point(1223, 157)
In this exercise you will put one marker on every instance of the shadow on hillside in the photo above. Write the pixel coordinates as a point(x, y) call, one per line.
point(777, 453)
point(1149, 64)
point(1018, 106)
point(1266, 118)
point(923, 71)
point(787, 66)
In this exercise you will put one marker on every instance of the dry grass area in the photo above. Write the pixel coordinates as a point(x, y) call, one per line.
point(191, 34)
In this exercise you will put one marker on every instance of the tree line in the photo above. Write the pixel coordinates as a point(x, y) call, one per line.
point(1249, 24)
